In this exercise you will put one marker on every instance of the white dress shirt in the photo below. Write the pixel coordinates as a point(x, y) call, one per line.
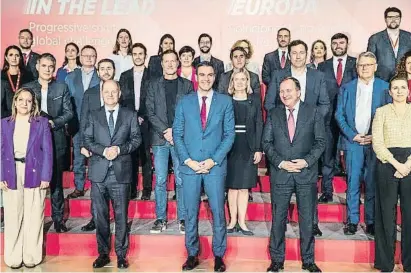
point(363, 106)
point(43, 106)
point(101, 95)
point(303, 81)
point(138, 76)
point(122, 64)
point(335, 64)
point(394, 35)
point(86, 78)
point(208, 101)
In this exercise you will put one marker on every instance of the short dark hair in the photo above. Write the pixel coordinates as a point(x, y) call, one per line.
point(88, 47)
point(237, 48)
point(26, 30)
point(397, 77)
point(169, 51)
point(296, 82)
point(106, 60)
point(283, 28)
point(78, 54)
point(47, 56)
point(392, 9)
point(339, 36)
point(166, 36)
point(296, 43)
point(205, 35)
point(202, 64)
point(186, 49)
point(140, 45)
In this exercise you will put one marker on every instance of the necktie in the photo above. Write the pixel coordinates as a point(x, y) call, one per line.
point(203, 113)
point(291, 125)
point(283, 60)
point(25, 58)
point(111, 122)
point(339, 72)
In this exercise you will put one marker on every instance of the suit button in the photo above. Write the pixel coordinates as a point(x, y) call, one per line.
point(201, 151)
point(34, 170)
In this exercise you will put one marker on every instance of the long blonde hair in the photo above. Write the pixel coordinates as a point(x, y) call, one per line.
point(34, 111)
point(231, 89)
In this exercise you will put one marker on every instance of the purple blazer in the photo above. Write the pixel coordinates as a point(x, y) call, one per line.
point(39, 155)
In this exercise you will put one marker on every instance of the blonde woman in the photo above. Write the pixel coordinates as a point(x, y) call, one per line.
point(26, 170)
point(246, 152)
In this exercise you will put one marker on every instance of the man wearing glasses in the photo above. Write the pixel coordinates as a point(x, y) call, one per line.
point(78, 82)
point(389, 45)
point(357, 102)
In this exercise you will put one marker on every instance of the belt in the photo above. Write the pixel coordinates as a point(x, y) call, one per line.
point(22, 159)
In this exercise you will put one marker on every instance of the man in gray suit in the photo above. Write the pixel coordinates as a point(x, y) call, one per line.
point(389, 45)
point(293, 140)
point(111, 135)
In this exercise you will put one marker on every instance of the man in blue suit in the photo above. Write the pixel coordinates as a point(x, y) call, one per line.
point(389, 45)
point(78, 82)
point(203, 133)
point(357, 102)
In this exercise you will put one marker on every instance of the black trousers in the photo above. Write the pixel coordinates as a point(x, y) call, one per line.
point(387, 190)
point(101, 194)
point(56, 188)
point(306, 200)
point(142, 155)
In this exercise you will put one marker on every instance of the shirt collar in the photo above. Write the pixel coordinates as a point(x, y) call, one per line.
point(366, 85)
point(292, 71)
point(296, 107)
point(87, 73)
point(66, 67)
point(205, 57)
point(393, 32)
point(209, 95)
point(344, 58)
point(115, 108)
point(27, 52)
point(137, 72)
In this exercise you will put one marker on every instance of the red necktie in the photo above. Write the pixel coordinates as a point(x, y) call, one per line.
point(283, 60)
point(203, 113)
point(291, 125)
point(25, 58)
point(339, 72)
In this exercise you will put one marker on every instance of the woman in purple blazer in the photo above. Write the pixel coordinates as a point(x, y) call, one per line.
point(26, 170)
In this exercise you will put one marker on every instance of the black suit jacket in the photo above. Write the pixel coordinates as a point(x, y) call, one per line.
point(31, 64)
point(315, 94)
point(272, 62)
point(225, 82)
point(308, 143)
point(157, 107)
point(6, 99)
point(91, 102)
point(127, 91)
point(59, 109)
point(218, 66)
point(155, 70)
point(97, 138)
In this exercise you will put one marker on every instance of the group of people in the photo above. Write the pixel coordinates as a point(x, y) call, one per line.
point(208, 119)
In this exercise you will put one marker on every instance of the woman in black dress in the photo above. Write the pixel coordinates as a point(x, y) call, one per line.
point(243, 159)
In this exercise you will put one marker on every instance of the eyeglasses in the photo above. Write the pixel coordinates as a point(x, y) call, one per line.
point(396, 17)
point(88, 56)
point(365, 65)
point(205, 43)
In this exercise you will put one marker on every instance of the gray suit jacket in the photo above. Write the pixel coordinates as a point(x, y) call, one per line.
point(272, 62)
point(97, 138)
point(379, 44)
point(91, 102)
point(308, 143)
point(156, 106)
point(225, 82)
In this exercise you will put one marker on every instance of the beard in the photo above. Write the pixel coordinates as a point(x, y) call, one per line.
point(25, 47)
point(338, 54)
point(205, 49)
point(393, 26)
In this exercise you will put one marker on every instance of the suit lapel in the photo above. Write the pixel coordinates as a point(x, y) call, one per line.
point(49, 97)
point(348, 66)
point(282, 117)
point(103, 120)
point(353, 101)
point(309, 87)
point(386, 39)
point(78, 80)
point(213, 105)
point(9, 140)
point(33, 134)
point(197, 111)
point(302, 117)
point(402, 43)
point(119, 121)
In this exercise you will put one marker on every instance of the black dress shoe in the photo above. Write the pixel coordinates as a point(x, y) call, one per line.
point(191, 263)
point(316, 231)
point(325, 198)
point(245, 232)
point(350, 229)
point(89, 227)
point(122, 263)
point(60, 227)
point(146, 195)
point(232, 230)
point(370, 230)
point(311, 268)
point(101, 261)
point(133, 195)
point(275, 267)
point(219, 265)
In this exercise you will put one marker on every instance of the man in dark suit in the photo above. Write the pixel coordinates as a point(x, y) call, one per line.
point(312, 82)
point(163, 94)
point(337, 70)
point(205, 42)
point(204, 133)
point(293, 140)
point(389, 45)
point(79, 81)
point(111, 135)
point(55, 104)
point(279, 58)
point(238, 59)
point(133, 84)
point(29, 57)
point(93, 100)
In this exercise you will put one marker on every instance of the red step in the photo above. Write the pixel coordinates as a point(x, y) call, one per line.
point(172, 246)
point(263, 185)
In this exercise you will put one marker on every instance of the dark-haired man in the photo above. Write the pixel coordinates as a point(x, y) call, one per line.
point(29, 57)
point(390, 44)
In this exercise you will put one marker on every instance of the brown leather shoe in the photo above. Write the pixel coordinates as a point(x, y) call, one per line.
point(75, 194)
